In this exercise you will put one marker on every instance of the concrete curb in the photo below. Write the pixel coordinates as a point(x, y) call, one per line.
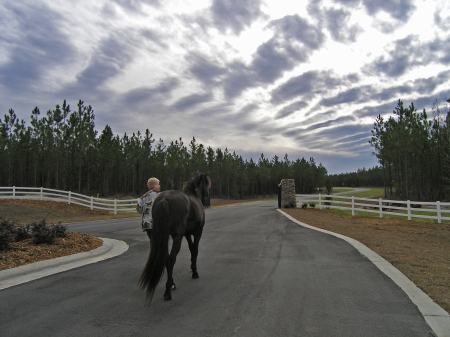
point(436, 317)
point(33, 271)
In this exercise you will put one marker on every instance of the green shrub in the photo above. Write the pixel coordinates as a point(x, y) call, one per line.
point(312, 204)
point(304, 205)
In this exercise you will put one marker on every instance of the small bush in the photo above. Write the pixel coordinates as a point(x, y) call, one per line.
point(42, 233)
point(304, 205)
point(59, 230)
point(312, 204)
point(23, 232)
point(7, 233)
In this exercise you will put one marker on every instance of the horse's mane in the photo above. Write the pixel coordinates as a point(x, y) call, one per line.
point(193, 184)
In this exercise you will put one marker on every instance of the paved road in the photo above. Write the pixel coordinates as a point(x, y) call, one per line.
point(260, 275)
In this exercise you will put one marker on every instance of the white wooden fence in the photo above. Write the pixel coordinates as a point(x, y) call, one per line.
point(381, 206)
point(40, 193)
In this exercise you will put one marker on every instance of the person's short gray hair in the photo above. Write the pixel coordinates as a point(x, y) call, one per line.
point(152, 182)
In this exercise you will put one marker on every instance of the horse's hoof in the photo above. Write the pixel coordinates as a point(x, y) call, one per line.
point(174, 286)
point(195, 275)
point(167, 297)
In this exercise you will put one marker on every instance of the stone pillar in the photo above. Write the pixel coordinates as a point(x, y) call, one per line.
point(288, 199)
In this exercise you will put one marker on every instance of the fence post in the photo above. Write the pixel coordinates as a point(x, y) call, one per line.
point(409, 209)
point(438, 206)
point(14, 192)
point(115, 211)
point(320, 201)
point(41, 192)
point(92, 203)
point(353, 205)
point(381, 208)
point(69, 197)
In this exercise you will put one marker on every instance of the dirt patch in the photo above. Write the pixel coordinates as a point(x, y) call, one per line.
point(420, 250)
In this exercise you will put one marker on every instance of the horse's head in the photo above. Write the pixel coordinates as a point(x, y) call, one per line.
point(198, 186)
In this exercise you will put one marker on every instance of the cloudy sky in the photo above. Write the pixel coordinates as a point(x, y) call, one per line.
point(306, 78)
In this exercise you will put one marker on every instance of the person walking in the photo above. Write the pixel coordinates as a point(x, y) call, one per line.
point(145, 203)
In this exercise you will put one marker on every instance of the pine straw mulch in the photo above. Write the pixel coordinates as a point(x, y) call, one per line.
point(25, 252)
point(419, 249)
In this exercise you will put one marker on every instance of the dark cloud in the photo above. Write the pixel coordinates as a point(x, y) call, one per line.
point(442, 23)
point(112, 56)
point(398, 9)
point(238, 79)
point(39, 46)
point(293, 41)
point(374, 111)
point(290, 109)
point(399, 59)
point(191, 101)
point(392, 92)
point(438, 50)
point(145, 94)
point(333, 122)
point(337, 136)
point(306, 85)
point(409, 53)
point(136, 5)
point(349, 96)
point(427, 101)
point(248, 109)
point(204, 70)
point(428, 85)
point(340, 31)
point(273, 59)
point(420, 102)
point(350, 3)
point(154, 37)
point(235, 14)
point(294, 27)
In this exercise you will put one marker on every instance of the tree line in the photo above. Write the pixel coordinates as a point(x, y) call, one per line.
point(62, 150)
point(361, 178)
point(414, 152)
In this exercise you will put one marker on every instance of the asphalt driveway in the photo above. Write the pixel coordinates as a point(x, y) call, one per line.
point(261, 274)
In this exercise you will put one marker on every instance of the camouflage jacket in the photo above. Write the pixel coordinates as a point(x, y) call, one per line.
point(144, 207)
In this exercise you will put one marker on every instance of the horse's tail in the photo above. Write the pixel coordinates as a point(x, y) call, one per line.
point(159, 251)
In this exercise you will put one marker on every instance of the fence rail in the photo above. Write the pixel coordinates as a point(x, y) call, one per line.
point(382, 206)
point(40, 193)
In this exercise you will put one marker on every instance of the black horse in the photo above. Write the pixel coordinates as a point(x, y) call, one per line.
point(176, 214)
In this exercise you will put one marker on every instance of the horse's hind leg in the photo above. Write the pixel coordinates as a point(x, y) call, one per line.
point(170, 263)
point(193, 247)
point(193, 256)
